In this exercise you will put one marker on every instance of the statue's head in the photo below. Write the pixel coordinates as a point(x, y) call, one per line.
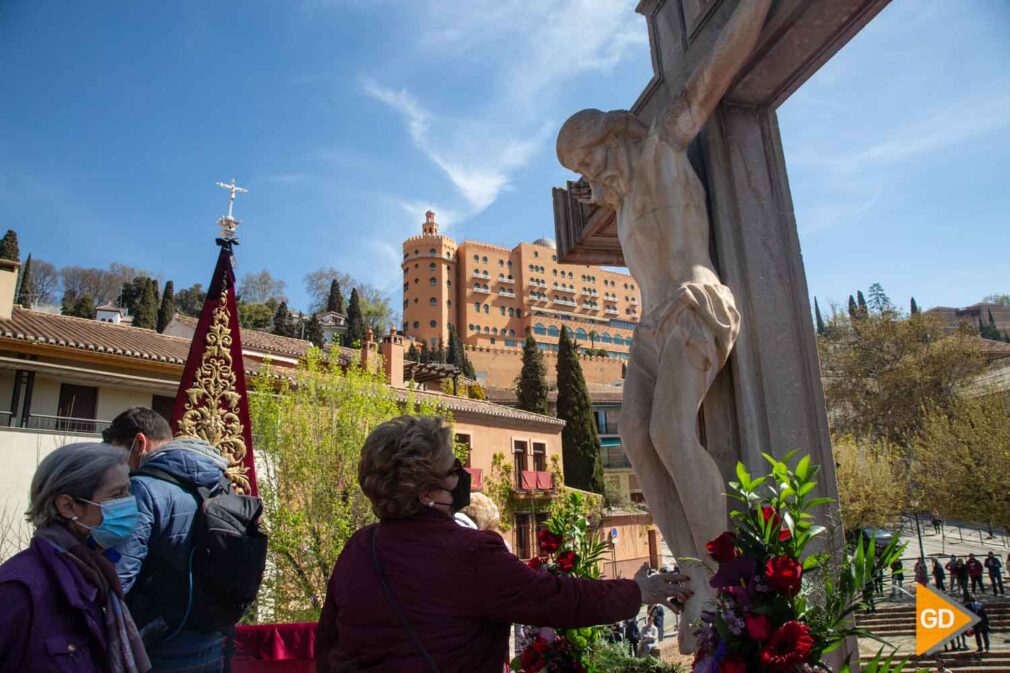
point(595, 144)
point(590, 128)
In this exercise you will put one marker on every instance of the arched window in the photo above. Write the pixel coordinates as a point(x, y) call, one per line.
point(484, 259)
point(431, 266)
point(476, 258)
point(433, 323)
point(486, 329)
point(416, 324)
point(512, 312)
point(502, 309)
point(512, 332)
point(581, 334)
point(501, 262)
point(519, 313)
point(537, 329)
point(553, 331)
point(431, 251)
point(476, 306)
point(433, 281)
point(486, 309)
point(494, 331)
point(605, 338)
point(470, 327)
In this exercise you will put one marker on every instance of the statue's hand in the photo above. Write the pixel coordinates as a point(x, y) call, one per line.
point(663, 588)
point(582, 191)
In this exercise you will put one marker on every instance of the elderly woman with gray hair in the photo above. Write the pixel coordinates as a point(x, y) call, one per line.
point(63, 608)
point(417, 593)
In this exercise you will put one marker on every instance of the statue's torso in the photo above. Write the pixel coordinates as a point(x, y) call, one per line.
point(662, 223)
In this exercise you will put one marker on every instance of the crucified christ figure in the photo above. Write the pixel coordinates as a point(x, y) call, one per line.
point(690, 321)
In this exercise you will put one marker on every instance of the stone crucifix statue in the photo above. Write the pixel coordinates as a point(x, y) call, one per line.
point(690, 321)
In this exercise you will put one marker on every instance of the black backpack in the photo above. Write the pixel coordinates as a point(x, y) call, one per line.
point(225, 567)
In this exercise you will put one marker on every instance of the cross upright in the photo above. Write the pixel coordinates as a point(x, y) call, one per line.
point(234, 189)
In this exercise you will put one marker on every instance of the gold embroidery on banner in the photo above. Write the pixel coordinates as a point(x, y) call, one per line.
point(212, 410)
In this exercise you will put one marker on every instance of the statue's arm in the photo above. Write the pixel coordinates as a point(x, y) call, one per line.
point(708, 83)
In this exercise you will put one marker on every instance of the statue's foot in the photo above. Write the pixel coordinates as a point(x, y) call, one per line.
point(704, 596)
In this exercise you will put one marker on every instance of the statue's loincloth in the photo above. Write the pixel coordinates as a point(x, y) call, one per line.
point(713, 304)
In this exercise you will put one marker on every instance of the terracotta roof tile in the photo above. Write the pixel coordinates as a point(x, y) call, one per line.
point(484, 408)
point(268, 343)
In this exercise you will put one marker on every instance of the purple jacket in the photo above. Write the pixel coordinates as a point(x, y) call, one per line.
point(50, 620)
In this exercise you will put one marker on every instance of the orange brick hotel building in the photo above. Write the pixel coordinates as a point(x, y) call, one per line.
point(495, 296)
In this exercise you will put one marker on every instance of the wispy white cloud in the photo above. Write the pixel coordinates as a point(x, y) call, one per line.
point(531, 51)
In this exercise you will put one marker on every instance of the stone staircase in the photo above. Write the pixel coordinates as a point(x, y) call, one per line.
point(896, 625)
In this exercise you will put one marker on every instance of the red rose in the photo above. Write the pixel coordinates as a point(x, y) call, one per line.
point(536, 562)
point(759, 627)
point(769, 513)
point(723, 548)
point(549, 542)
point(566, 561)
point(784, 575)
point(789, 645)
point(733, 664)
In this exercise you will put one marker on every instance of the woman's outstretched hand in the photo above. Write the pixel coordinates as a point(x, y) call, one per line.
point(664, 588)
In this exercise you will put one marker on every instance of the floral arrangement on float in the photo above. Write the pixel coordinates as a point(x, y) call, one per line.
point(568, 545)
point(778, 608)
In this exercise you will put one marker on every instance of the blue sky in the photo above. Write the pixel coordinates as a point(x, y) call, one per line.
point(346, 119)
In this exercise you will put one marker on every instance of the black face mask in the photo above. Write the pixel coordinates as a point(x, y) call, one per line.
point(460, 494)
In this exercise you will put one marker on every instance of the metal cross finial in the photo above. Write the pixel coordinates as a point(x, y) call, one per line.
point(233, 189)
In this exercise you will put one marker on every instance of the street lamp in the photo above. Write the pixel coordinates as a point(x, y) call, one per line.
point(914, 502)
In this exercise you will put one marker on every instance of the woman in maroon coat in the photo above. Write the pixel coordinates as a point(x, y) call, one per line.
point(450, 592)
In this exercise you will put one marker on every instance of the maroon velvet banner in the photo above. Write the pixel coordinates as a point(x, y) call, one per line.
point(213, 402)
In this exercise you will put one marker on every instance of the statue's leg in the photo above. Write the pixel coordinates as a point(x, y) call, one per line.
point(688, 365)
point(658, 487)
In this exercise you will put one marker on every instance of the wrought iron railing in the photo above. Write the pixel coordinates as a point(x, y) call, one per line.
point(84, 426)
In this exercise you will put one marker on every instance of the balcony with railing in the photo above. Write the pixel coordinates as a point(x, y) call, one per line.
point(610, 310)
point(563, 288)
point(506, 293)
point(482, 290)
point(613, 457)
point(564, 301)
point(88, 426)
point(510, 280)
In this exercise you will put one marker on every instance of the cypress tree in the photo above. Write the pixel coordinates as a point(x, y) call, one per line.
point(853, 308)
point(314, 331)
point(424, 355)
point(282, 321)
point(914, 309)
point(413, 354)
point(147, 308)
point(531, 386)
point(167, 310)
point(864, 310)
point(356, 328)
point(580, 441)
point(9, 246)
point(335, 300)
point(26, 291)
point(452, 355)
point(817, 315)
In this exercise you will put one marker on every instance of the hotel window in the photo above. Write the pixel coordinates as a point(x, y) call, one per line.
point(501, 262)
point(487, 309)
point(476, 258)
point(484, 259)
point(502, 309)
point(433, 323)
point(470, 327)
point(539, 457)
point(512, 332)
point(512, 312)
point(536, 254)
point(476, 306)
point(431, 266)
point(554, 258)
point(486, 330)
point(416, 324)
point(519, 313)
point(433, 301)
point(433, 281)
point(553, 331)
point(539, 329)
point(431, 251)
point(494, 330)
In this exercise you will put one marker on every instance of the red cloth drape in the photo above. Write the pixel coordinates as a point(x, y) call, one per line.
point(275, 648)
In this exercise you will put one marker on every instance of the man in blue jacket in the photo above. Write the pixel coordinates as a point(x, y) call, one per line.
point(155, 568)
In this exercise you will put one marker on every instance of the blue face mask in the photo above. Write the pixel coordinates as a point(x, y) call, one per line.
point(119, 518)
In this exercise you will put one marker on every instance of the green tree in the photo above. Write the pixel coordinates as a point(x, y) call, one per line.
point(309, 435)
point(456, 354)
point(961, 458)
point(335, 299)
point(190, 301)
point(261, 287)
point(146, 314)
point(356, 328)
point(864, 309)
point(580, 441)
point(256, 316)
point(914, 307)
point(132, 294)
point(879, 377)
point(314, 331)
point(82, 306)
point(1000, 298)
point(282, 321)
point(872, 482)
point(879, 301)
point(413, 354)
point(26, 291)
point(9, 246)
point(167, 310)
point(531, 386)
point(853, 308)
point(818, 317)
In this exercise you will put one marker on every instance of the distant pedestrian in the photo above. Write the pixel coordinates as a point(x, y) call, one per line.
point(995, 567)
point(632, 635)
point(658, 617)
point(649, 638)
point(897, 577)
point(975, 573)
point(982, 628)
point(961, 574)
point(878, 582)
point(937, 523)
point(938, 575)
point(921, 576)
